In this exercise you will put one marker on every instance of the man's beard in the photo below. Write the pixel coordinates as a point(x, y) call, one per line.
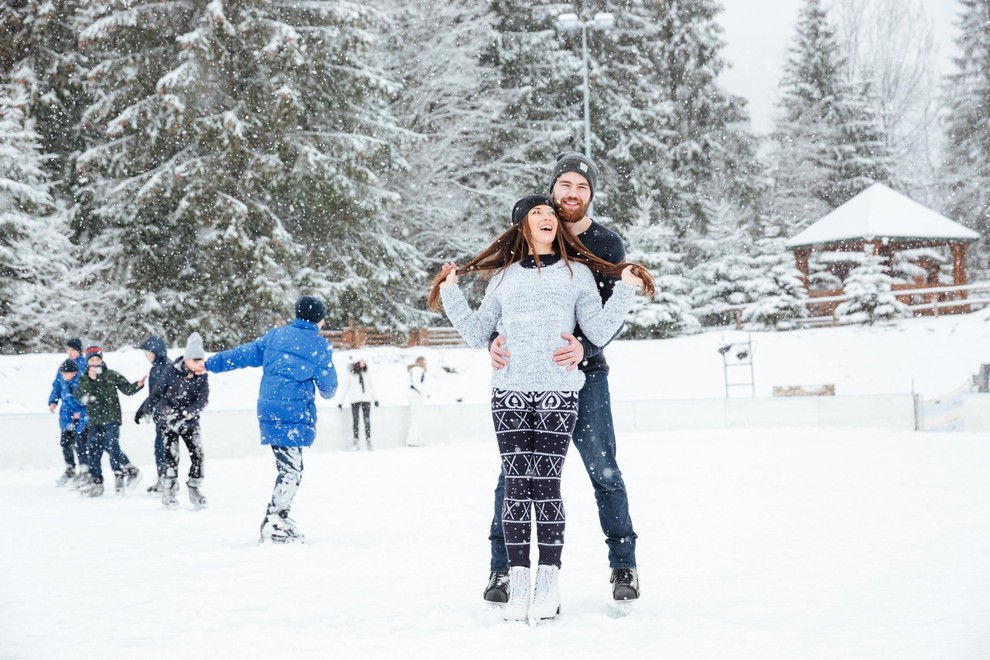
point(571, 215)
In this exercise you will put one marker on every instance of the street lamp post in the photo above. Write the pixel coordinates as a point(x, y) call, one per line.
point(570, 23)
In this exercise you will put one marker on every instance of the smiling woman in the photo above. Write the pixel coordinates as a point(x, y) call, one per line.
point(542, 287)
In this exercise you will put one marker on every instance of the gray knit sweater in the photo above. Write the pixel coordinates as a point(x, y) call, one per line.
point(531, 308)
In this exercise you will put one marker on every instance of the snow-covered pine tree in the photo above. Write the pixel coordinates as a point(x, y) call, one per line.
point(242, 162)
point(968, 131)
point(40, 50)
point(44, 282)
point(870, 299)
point(863, 153)
point(828, 145)
point(539, 80)
point(777, 288)
point(667, 130)
point(668, 313)
point(724, 270)
point(452, 198)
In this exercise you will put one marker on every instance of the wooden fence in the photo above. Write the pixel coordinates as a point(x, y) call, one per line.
point(351, 337)
point(922, 301)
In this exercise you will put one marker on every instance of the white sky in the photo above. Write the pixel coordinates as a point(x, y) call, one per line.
point(757, 33)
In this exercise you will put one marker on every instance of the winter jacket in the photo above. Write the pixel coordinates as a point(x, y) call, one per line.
point(56, 394)
point(178, 398)
point(417, 380)
point(531, 307)
point(67, 420)
point(295, 358)
point(360, 388)
point(159, 369)
point(100, 395)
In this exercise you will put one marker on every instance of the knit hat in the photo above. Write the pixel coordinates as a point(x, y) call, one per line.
point(572, 161)
point(75, 343)
point(521, 208)
point(69, 366)
point(310, 309)
point(194, 348)
point(94, 350)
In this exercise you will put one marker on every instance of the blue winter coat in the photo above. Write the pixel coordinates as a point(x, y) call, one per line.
point(62, 390)
point(296, 361)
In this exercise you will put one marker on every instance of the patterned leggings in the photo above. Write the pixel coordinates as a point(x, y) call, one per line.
point(533, 431)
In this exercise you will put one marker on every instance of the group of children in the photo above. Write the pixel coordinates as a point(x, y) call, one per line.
point(90, 417)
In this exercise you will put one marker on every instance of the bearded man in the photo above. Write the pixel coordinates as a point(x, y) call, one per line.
point(572, 188)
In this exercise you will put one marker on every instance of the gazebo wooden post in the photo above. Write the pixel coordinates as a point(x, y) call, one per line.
point(801, 256)
point(959, 268)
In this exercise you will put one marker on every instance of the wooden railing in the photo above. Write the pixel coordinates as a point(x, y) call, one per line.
point(922, 301)
point(351, 337)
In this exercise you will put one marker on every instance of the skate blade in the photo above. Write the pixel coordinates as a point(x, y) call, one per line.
point(535, 621)
point(618, 609)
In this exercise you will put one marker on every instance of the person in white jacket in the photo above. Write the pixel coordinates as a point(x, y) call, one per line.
point(417, 392)
point(360, 394)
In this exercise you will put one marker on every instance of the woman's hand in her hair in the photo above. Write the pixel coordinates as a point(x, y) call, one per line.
point(630, 277)
point(449, 270)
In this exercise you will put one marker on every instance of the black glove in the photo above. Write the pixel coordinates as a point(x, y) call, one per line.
point(376, 404)
point(340, 406)
point(137, 418)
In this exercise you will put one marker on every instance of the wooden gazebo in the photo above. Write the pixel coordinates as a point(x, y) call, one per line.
point(882, 221)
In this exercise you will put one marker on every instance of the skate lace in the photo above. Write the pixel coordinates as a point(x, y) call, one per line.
point(498, 580)
point(622, 577)
point(544, 579)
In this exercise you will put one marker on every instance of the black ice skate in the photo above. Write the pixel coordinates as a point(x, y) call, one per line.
point(93, 489)
point(497, 590)
point(278, 527)
point(195, 495)
point(625, 584)
point(169, 490)
point(133, 476)
point(67, 476)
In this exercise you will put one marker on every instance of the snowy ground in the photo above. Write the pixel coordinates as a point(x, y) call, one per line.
point(791, 544)
point(766, 544)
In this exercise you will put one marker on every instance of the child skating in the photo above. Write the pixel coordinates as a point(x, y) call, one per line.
point(296, 361)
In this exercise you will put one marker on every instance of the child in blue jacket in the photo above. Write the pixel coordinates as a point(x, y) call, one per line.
point(71, 420)
point(296, 361)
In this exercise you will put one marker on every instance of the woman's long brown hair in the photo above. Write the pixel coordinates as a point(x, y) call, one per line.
point(514, 245)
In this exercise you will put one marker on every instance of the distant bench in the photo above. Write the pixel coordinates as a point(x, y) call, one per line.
point(804, 390)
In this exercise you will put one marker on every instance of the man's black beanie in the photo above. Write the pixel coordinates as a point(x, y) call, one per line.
point(572, 161)
point(310, 309)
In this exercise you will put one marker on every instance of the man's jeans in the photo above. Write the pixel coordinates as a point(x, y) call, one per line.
point(594, 438)
point(105, 437)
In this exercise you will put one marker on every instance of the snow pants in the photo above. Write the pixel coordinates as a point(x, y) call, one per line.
point(289, 463)
point(105, 438)
point(74, 447)
point(170, 441)
point(533, 430)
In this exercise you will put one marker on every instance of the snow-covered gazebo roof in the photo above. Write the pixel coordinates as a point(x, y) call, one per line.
point(878, 213)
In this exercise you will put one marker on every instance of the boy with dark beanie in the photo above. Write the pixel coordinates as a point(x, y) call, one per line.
point(71, 420)
point(296, 361)
point(573, 182)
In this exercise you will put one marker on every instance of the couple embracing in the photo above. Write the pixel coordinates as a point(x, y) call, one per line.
point(559, 290)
